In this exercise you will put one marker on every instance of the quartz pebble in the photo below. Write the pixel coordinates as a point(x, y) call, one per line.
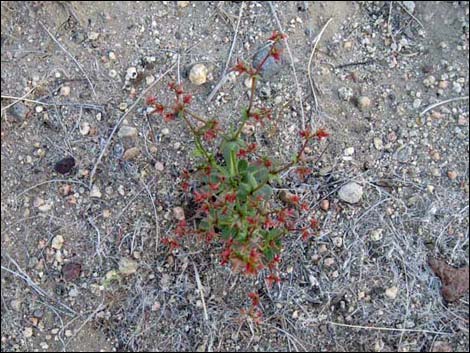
point(198, 74)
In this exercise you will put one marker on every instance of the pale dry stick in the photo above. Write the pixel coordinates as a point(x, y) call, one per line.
point(71, 56)
point(309, 71)
point(155, 214)
point(116, 126)
point(201, 291)
point(432, 106)
point(378, 328)
point(299, 91)
point(227, 63)
point(410, 14)
point(80, 105)
point(98, 240)
point(18, 100)
point(178, 73)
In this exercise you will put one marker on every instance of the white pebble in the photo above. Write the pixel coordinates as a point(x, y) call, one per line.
point(198, 74)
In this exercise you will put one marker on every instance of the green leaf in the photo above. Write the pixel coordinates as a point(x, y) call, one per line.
point(228, 233)
point(269, 253)
point(261, 175)
point(251, 180)
point(241, 236)
point(242, 165)
point(229, 151)
point(197, 152)
point(243, 190)
point(245, 116)
point(275, 177)
point(266, 192)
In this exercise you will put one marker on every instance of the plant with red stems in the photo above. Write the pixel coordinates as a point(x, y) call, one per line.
point(233, 195)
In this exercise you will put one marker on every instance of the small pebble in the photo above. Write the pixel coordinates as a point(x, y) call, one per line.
point(44, 345)
point(95, 191)
point(165, 131)
point(127, 266)
point(123, 106)
point(363, 103)
point(325, 205)
point(443, 84)
point(198, 74)
point(131, 73)
point(456, 87)
point(378, 143)
point(149, 80)
point(28, 332)
point(178, 213)
point(93, 35)
point(329, 261)
point(452, 174)
point(39, 108)
point(84, 128)
point(159, 167)
point(248, 129)
point(391, 292)
point(338, 242)
point(429, 81)
point(436, 156)
point(349, 151)
point(182, 4)
point(65, 91)
point(57, 242)
point(247, 82)
point(127, 131)
point(350, 193)
point(376, 234)
point(462, 121)
point(131, 153)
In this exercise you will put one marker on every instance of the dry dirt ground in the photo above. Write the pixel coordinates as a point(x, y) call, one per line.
point(364, 284)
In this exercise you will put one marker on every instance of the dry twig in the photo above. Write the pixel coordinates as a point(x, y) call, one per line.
point(432, 106)
point(388, 328)
point(201, 291)
point(309, 72)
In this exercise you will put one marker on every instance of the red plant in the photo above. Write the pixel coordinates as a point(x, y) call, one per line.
point(234, 201)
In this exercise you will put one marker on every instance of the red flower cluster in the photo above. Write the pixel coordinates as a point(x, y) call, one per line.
point(170, 113)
